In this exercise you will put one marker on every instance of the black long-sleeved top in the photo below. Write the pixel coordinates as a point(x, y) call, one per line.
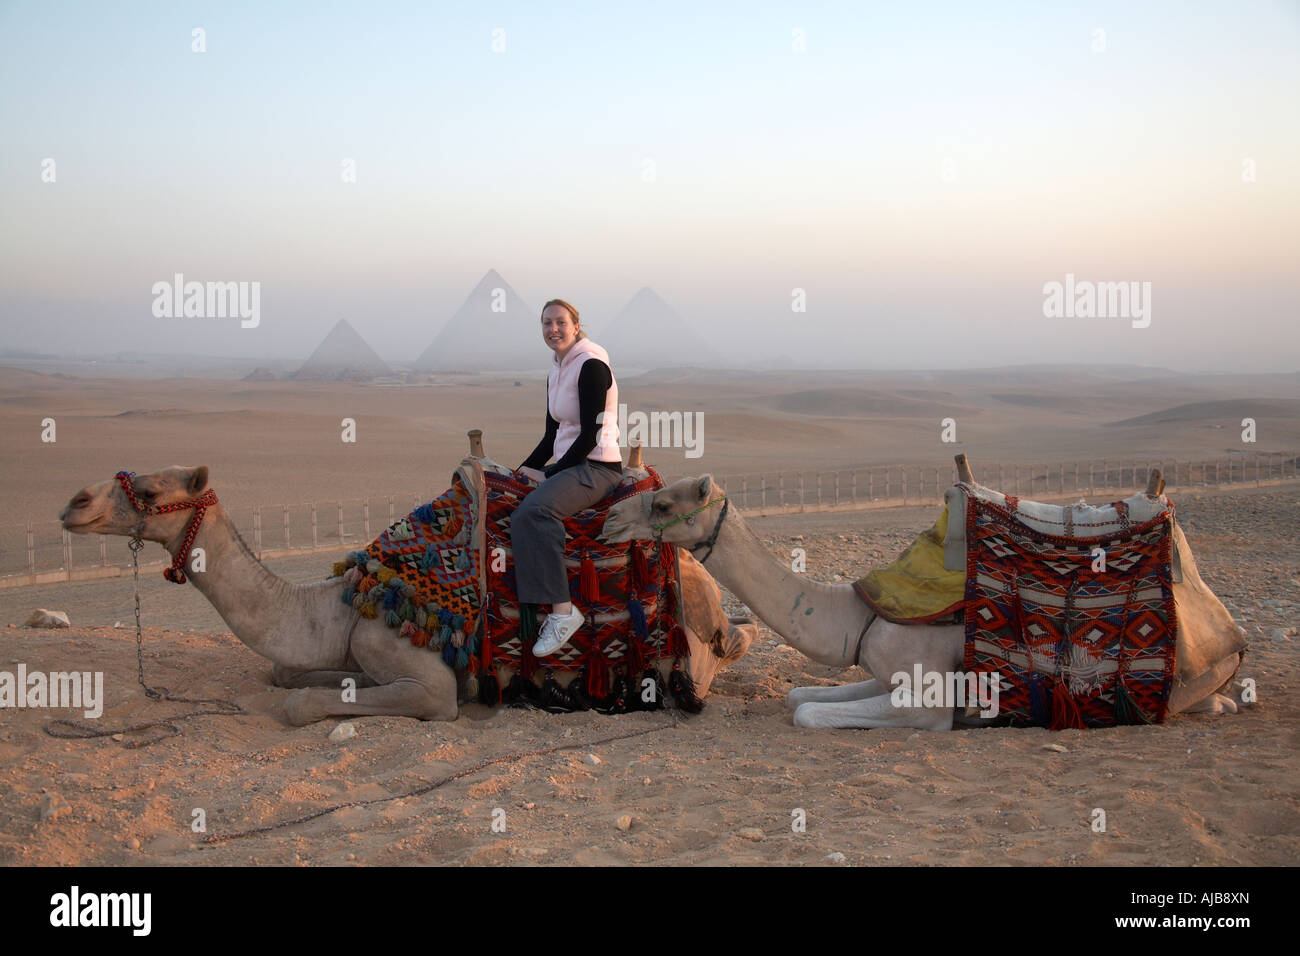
point(594, 380)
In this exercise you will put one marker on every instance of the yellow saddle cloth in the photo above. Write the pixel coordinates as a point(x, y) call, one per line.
point(916, 588)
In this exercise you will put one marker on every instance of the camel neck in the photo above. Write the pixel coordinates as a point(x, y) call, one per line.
point(821, 621)
point(258, 606)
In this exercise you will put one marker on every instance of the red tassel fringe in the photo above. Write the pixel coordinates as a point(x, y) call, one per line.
point(589, 580)
point(638, 571)
point(1065, 712)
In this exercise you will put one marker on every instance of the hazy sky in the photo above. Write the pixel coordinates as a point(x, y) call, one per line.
point(921, 171)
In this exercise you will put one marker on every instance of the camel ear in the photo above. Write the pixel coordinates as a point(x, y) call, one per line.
point(198, 480)
point(702, 487)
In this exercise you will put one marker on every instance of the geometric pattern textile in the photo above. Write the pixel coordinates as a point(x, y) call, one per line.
point(1078, 638)
point(442, 586)
point(630, 595)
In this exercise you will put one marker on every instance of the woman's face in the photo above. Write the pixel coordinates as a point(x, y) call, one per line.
point(558, 330)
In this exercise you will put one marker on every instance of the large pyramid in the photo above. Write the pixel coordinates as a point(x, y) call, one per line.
point(647, 333)
point(343, 354)
point(477, 338)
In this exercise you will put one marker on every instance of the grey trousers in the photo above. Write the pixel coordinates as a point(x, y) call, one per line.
point(537, 529)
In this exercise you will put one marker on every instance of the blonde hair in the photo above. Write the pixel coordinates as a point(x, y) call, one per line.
point(572, 312)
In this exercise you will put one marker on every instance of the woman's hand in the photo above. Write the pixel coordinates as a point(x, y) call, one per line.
point(533, 474)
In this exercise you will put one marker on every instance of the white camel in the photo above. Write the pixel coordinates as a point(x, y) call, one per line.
point(831, 624)
point(311, 637)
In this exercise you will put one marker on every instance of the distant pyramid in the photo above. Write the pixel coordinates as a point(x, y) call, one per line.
point(343, 354)
point(648, 333)
point(476, 338)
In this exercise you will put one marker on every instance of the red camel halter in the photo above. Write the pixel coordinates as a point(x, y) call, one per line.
point(176, 573)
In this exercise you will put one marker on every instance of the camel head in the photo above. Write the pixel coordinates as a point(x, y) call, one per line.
point(104, 508)
point(683, 513)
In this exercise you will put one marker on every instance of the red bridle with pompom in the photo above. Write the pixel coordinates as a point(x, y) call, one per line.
point(175, 573)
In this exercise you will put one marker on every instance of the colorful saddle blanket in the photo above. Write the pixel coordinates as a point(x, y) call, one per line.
point(1081, 630)
point(443, 578)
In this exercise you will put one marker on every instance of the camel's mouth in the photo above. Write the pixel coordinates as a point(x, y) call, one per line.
point(80, 527)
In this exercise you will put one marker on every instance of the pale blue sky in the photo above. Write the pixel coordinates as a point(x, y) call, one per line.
point(775, 170)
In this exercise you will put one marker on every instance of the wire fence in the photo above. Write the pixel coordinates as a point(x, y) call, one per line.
point(901, 485)
point(40, 552)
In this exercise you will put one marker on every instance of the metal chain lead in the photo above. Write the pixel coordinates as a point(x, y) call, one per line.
point(70, 729)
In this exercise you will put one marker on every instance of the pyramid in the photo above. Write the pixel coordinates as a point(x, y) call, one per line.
point(476, 338)
point(343, 354)
point(648, 333)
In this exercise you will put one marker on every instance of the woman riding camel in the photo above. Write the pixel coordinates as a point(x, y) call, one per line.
point(588, 466)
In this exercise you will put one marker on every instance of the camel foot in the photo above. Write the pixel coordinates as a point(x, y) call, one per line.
point(736, 644)
point(836, 694)
point(1214, 704)
point(1234, 690)
point(402, 698)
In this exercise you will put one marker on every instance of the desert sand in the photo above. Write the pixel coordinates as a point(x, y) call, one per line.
point(722, 787)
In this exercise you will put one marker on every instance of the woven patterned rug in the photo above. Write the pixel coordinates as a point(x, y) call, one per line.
point(427, 578)
point(1076, 646)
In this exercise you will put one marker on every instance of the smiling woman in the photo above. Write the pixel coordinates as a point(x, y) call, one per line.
point(582, 435)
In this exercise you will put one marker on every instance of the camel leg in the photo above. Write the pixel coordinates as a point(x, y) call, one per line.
point(282, 676)
point(891, 648)
point(1214, 704)
point(836, 694)
point(1196, 696)
point(411, 682)
point(873, 712)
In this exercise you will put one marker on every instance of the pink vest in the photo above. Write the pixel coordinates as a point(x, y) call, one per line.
point(562, 403)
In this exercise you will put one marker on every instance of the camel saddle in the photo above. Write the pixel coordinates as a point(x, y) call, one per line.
point(1077, 608)
point(443, 578)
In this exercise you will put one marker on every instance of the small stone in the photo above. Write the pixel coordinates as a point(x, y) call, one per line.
point(750, 833)
point(43, 618)
point(1055, 748)
point(646, 781)
point(1280, 635)
point(118, 624)
point(624, 822)
point(53, 806)
point(342, 732)
point(836, 857)
point(593, 760)
point(133, 844)
point(352, 856)
point(530, 806)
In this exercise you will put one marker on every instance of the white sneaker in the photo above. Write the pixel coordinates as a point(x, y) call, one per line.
point(556, 632)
